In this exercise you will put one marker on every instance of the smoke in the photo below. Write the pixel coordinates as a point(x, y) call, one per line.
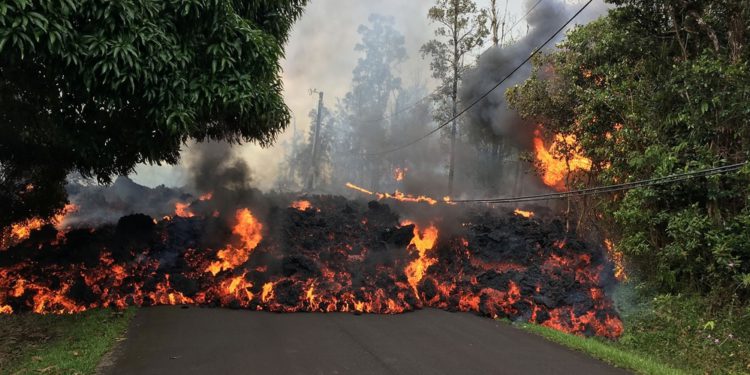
point(498, 62)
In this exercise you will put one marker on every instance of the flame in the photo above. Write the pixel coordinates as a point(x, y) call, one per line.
point(182, 209)
point(206, 197)
point(359, 189)
point(399, 196)
point(526, 214)
point(399, 173)
point(302, 205)
point(553, 162)
point(5, 309)
point(267, 293)
point(22, 231)
point(249, 229)
point(423, 241)
point(616, 257)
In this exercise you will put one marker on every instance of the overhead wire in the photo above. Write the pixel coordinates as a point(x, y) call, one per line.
point(612, 188)
point(428, 96)
point(483, 96)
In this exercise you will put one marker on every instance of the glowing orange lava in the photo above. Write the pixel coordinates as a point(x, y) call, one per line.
point(423, 241)
point(182, 209)
point(249, 229)
point(526, 214)
point(553, 161)
point(301, 205)
point(616, 257)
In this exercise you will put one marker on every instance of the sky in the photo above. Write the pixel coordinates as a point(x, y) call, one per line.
point(320, 55)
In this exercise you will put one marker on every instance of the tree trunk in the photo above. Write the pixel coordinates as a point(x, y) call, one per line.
point(454, 97)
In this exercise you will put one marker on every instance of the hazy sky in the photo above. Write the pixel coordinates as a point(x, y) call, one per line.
point(320, 55)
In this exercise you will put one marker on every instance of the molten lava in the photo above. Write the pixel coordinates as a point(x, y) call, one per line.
point(562, 157)
point(341, 256)
point(526, 214)
point(423, 242)
point(250, 232)
point(302, 205)
point(398, 196)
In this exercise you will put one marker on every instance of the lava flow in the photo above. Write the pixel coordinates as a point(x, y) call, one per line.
point(340, 256)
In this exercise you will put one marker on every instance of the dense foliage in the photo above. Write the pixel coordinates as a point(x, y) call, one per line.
point(657, 88)
point(97, 87)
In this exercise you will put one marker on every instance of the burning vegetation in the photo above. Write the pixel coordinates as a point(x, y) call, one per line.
point(321, 254)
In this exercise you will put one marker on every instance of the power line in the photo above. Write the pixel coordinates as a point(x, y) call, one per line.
point(486, 94)
point(416, 103)
point(612, 188)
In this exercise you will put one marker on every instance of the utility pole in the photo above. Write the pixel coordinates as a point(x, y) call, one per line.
point(316, 137)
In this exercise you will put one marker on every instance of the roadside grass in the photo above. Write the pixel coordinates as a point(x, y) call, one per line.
point(59, 344)
point(669, 334)
point(605, 351)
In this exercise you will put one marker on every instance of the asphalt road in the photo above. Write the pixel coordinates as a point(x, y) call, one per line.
point(169, 340)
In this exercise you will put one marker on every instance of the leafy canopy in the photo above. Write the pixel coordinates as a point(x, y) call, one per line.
point(653, 89)
point(100, 86)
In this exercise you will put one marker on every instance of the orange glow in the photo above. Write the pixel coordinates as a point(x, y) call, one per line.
point(22, 231)
point(423, 241)
point(267, 293)
point(5, 309)
point(359, 189)
point(206, 197)
point(526, 214)
point(616, 257)
point(301, 205)
point(553, 162)
point(399, 196)
point(249, 229)
point(182, 209)
point(399, 174)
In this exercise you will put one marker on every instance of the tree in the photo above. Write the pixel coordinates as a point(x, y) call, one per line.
point(363, 110)
point(653, 89)
point(461, 28)
point(98, 87)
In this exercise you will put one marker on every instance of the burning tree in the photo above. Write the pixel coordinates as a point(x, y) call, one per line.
point(637, 115)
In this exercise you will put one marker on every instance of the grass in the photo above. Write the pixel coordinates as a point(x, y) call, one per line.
point(669, 334)
point(606, 352)
point(59, 344)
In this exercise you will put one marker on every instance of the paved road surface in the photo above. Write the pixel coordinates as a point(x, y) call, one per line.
point(169, 340)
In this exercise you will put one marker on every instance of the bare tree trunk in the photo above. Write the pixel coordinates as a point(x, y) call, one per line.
point(454, 97)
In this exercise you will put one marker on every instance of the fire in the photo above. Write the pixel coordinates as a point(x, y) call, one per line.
point(397, 195)
point(182, 209)
point(22, 231)
point(553, 162)
point(301, 205)
point(359, 189)
point(249, 229)
point(423, 241)
point(493, 265)
point(399, 173)
point(616, 257)
point(267, 293)
point(206, 197)
point(526, 214)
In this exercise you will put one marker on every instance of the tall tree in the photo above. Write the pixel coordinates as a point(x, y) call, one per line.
point(363, 109)
point(654, 89)
point(98, 87)
point(461, 28)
